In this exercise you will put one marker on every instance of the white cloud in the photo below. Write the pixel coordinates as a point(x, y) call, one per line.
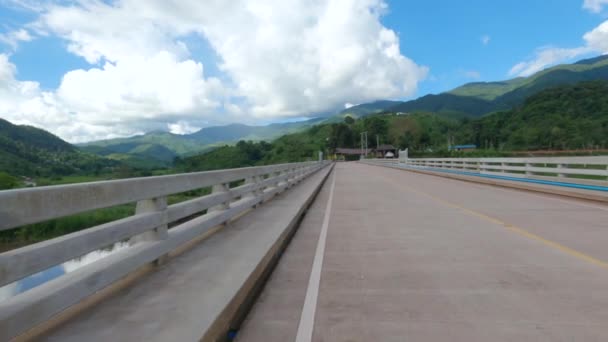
point(111, 102)
point(279, 59)
point(595, 6)
point(138, 88)
point(13, 38)
point(485, 39)
point(596, 41)
point(24, 102)
point(297, 57)
point(182, 127)
point(545, 57)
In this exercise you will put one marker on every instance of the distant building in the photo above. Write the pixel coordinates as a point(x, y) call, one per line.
point(383, 151)
point(464, 148)
point(386, 151)
point(350, 153)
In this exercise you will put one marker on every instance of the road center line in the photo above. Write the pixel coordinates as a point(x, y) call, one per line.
point(307, 319)
point(512, 228)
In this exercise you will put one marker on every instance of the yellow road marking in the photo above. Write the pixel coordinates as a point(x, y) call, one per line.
point(517, 230)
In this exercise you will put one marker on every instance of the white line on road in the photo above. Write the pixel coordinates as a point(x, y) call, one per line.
point(307, 320)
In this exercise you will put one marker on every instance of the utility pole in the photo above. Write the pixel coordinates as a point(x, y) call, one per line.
point(363, 144)
point(377, 141)
point(362, 153)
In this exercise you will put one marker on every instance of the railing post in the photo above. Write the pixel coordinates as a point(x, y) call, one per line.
point(559, 174)
point(503, 165)
point(220, 188)
point(289, 173)
point(255, 181)
point(159, 232)
point(285, 181)
point(528, 166)
point(250, 181)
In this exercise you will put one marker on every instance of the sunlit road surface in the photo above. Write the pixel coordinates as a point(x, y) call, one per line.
point(412, 257)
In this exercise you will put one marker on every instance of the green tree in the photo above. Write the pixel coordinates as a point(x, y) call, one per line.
point(407, 140)
point(7, 181)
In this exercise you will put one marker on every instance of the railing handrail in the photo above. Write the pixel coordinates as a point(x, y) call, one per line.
point(31, 205)
point(570, 168)
point(599, 160)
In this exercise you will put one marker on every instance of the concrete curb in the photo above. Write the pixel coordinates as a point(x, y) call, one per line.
point(236, 311)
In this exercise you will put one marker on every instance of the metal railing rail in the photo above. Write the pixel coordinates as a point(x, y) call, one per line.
point(147, 230)
point(593, 169)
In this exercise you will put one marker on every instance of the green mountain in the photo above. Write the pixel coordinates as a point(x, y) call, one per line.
point(30, 151)
point(138, 155)
point(164, 146)
point(176, 143)
point(480, 98)
point(565, 117)
point(236, 132)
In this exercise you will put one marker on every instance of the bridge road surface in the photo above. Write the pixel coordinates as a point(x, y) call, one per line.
point(413, 257)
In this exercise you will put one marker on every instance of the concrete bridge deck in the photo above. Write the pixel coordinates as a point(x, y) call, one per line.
point(382, 255)
point(412, 257)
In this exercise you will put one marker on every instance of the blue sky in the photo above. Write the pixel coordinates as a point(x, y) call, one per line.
point(89, 70)
point(447, 35)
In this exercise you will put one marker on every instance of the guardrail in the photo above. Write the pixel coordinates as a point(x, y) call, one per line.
point(147, 230)
point(575, 169)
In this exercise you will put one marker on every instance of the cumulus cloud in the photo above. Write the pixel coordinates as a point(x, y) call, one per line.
point(140, 88)
point(23, 102)
point(596, 41)
point(595, 6)
point(278, 59)
point(13, 38)
point(116, 100)
point(297, 57)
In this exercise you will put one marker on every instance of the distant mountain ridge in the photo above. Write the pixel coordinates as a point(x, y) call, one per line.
point(480, 98)
point(149, 144)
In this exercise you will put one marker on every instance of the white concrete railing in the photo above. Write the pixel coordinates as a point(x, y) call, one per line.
point(147, 230)
point(575, 169)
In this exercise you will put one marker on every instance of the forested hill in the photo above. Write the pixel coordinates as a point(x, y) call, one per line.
point(30, 151)
point(31, 138)
point(567, 117)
